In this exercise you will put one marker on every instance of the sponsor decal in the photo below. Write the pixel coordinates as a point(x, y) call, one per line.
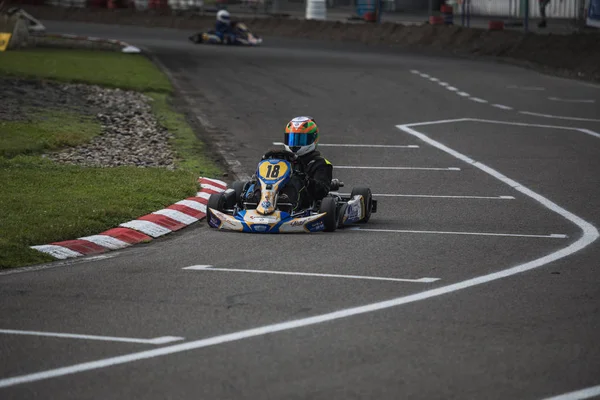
point(259, 228)
point(266, 204)
point(316, 226)
point(298, 222)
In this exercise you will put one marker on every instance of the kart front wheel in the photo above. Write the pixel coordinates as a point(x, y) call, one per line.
point(329, 206)
point(238, 187)
point(216, 201)
point(365, 192)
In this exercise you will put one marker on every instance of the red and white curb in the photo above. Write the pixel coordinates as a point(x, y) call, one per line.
point(125, 47)
point(140, 230)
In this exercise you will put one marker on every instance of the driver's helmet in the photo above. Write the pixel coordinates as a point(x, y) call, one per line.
point(301, 135)
point(223, 16)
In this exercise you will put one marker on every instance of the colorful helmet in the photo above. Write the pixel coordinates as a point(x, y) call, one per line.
point(223, 16)
point(301, 135)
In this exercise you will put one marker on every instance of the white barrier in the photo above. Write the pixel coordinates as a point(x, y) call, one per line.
point(316, 9)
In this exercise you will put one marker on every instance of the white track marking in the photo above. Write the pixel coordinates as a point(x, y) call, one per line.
point(437, 196)
point(420, 168)
point(589, 235)
point(392, 146)
point(158, 340)
point(59, 252)
point(177, 216)
point(258, 271)
point(572, 100)
point(147, 227)
point(196, 205)
point(414, 71)
point(589, 132)
point(579, 394)
point(211, 187)
point(203, 195)
point(559, 116)
point(502, 107)
point(537, 88)
point(478, 100)
point(551, 236)
point(106, 241)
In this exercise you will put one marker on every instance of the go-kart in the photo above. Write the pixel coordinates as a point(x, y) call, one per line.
point(231, 210)
point(242, 36)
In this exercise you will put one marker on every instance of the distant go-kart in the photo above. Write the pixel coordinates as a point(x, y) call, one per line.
point(229, 210)
point(242, 36)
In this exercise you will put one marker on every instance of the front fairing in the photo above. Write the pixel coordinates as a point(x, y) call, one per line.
point(251, 221)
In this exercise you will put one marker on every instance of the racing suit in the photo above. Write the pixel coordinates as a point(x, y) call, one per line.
point(223, 30)
point(317, 181)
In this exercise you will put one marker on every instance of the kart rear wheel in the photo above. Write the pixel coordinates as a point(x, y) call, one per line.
point(329, 206)
point(216, 201)
point(365, 192)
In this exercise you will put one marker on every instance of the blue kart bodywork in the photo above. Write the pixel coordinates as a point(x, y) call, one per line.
point(239, 35)
point(230, 210)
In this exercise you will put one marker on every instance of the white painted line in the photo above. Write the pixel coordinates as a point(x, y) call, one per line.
point(444, 83)
point(147, 227)
point(572, 100)
point(211, 187)
point(502, 107)
point(59, 252)
point(438, 196)
point(559, 116)
point(478, 100)
point(414, 71)
point(258, 271)
point(589, 132)
point(421, 168)
point(432, 79)
point(106, 241)
point(399, 146)
point(196, 205)
point(463, 94)
point(425, 75)
point(452, 88)
point(177, 216)
point(589, 235)
point(526, 87)
point(158, 340)
point(552, 236)
point(203, 195)
point(579, 394)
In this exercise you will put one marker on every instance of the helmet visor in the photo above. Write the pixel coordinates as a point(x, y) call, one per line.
point(299, 139)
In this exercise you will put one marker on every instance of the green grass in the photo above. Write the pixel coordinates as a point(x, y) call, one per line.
point(192, 153)
point(104, 68)
point(43, 201)
point(41, 134)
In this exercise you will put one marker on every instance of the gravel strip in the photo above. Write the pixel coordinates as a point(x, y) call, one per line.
point(131, 135)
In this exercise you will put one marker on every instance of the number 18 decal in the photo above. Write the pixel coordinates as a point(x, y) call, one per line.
point(273, 171)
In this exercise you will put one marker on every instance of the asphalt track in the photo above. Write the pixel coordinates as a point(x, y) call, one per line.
point(516, 314)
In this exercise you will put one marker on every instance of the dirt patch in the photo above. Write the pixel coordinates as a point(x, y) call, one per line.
point(574, 55)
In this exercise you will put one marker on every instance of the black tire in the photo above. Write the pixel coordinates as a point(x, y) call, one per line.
point(238, 186)
point(368, 197)
point(329, 206)
point(216, 201)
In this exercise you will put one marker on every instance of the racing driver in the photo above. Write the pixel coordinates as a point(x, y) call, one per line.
point(312, 179)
